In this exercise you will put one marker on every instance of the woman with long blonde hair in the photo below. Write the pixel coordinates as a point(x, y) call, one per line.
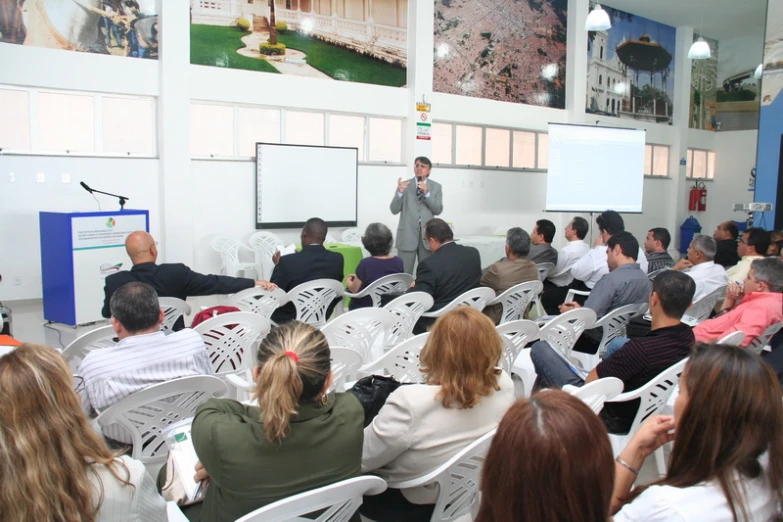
point(54, 467)
point(299, 435)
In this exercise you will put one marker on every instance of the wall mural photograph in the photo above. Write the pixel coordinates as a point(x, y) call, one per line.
point(350, 40)
point(704, 89)
point(630, 69)
point(499, 50)
point(113, 27)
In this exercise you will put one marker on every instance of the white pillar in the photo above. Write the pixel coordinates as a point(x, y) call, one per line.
point(680, 116)
point(420, 67)
point(576, 65)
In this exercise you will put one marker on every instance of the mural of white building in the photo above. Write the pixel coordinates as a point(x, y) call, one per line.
point(607, 80)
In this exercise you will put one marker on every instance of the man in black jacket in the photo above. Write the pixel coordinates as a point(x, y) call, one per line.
point(169, 279)
point(449, 272)
point(313, 262)
point(726, 237)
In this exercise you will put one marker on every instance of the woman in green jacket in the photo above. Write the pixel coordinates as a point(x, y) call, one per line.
point(299, 437)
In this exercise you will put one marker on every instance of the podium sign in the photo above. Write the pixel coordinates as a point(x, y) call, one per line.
point(78, 252)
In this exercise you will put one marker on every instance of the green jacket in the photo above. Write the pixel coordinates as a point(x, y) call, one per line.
point(247, 471)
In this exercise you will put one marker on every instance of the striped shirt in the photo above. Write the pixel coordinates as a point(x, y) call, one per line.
point(639, 361)
point(137, 502)
point(658, 261)
point(139, 361)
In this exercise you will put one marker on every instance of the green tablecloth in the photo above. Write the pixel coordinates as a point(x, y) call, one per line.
point(351, 255)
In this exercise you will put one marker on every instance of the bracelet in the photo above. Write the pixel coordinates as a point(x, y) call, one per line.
point(626, 465)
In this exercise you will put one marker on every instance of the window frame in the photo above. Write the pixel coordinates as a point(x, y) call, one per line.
point(689, 164)
point(652, 161)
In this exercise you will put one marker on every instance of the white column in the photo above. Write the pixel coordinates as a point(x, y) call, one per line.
point(679, 147)
point(176, 181)
point(420, 66)
point(576, 64)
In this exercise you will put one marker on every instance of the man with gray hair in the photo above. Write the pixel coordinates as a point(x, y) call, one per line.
point(514, 269)
point(700, 265)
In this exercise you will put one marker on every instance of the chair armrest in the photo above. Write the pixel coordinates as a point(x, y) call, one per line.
point(628, 396)
point(569, 388)
point(436, 313)
point(238, 382)
point(571, 293)
point(357, 295)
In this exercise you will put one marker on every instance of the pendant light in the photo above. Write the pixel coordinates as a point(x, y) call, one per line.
point(700, 50)
point(598, 20)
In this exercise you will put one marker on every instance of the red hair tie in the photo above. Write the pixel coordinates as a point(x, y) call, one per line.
point(293, 356)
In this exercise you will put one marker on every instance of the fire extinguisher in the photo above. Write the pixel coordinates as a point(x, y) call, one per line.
point(697, 200)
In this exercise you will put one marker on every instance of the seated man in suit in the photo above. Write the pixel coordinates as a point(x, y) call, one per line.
point(449, 272)
point(313, 262)
point(169, 279)
point(514, 269)
point(726, 235)
point(542, 237)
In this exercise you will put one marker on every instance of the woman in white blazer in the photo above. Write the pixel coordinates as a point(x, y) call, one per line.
point(421, 426)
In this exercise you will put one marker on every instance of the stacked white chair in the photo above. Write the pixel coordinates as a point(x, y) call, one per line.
point(406, 310)
point(352, 235)
point(75, 352)
point(258, 301)
point(358, 330)
point(516, 300)
point(596, 393)
point(516, 335)
point(264, 244)
point(312, 300)
point(758, 344)
point(401, 362)
point(701, 309)
point(392, 283)
point(229, 254)
point(734, 338)
point(614, 325)
point(476, 298)
point(173, 309)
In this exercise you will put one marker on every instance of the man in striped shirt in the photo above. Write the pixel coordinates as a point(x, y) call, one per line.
point(143, 357)
point(639, 360)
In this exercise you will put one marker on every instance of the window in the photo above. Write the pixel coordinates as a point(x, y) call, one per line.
point(127, 125)
point(701, 164)
point(441, 143)
point(710, 165)
point(656, 160)
point(347, 131)
point(304, 128)
point(385, 140)
point(211, 130)
point(14, 108)
point(497, 148)
point(66, 122)
point(469, 145)
point(257, 125)
point(524, 150)
point(600, 79)
point(543, 151)
point(648, 160)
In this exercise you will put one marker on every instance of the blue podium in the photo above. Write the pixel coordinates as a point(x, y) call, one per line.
point(78, 251)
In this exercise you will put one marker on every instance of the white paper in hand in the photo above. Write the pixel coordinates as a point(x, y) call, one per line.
point(184, 455)
point(284, 251)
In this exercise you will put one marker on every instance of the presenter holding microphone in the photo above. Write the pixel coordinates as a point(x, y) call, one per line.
point(419, 199)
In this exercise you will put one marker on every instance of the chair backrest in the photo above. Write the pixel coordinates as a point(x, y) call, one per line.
point(102, 337)
point(596, 393)
point(402, 361)
point(147, 412)
point(392, 283)
point(734, 338)
point(312, 300)
point(352, 235)
point(652, 275)
point(345, 363)
point(173, 309)
point(562, 332)
point(516, 335)
point(405, 311)
point(258, 301)
point(229, 340)
point(358, 329)
point(544, 269)
point(700, 310)
point(614, 323)
point(477, 298)
point(339, 500)
point(264, 242)
point(758, 344)
point(516, 299)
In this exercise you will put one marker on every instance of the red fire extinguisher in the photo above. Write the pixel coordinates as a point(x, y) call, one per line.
point(697, 200)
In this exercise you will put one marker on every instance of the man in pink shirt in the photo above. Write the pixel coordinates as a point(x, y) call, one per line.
point(751, 307)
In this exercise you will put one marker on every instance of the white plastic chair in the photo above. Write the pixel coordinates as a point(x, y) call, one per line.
point(652, 275)
point(516, 299)
point(406, 310)
point(596, 393)
point(392, 283)
point(173, 309)
point(264, 245)
point(358, 330)
point(147, 412)
point(653, 397)
point(312, 300)
point(229, 254)
point(352, 235)
point(571, 295)
point(258, 301)
point(544, 269)
point(614, 324)
point(516, 335)
point(75, 352)
point(401, 362)
point(329, 239)
point(701, 309)
point(758, 344)
point(476, 298)
point(458, 481)
point(229, 340)
point(340, 500)
point(734, 338)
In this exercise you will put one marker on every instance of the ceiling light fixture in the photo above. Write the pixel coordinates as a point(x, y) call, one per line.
point(598, 20)
point(759, 71)
point(700, 50)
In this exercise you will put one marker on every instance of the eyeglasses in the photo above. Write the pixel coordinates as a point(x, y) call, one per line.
point(78, 383)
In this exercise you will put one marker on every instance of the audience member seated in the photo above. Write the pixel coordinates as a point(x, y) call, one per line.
point(625, 284)
point(550, 461)
point(297, 437)
point(449, 272)
point(512, 270)
point(53, 463)
point(143, 357)
point(421, 426)
point(556, 286)
point(726, 235)
point(169, 279)
point(542, 237)
point(726, 463)
point(752, 246)
point(313, 262)
point(639, 360)
point(751, 307)
point(775, 240)
point(592, 266)
point(655, 249)
point(378, 240)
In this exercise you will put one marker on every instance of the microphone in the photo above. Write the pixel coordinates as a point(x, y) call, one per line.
point(85, 187)
point(419, 193)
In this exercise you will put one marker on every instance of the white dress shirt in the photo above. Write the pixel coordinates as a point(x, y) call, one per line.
point(739, 272)
point(708, 277)
point(136, 362)
point(592, 266)
point(569, 254)
point(138, 501)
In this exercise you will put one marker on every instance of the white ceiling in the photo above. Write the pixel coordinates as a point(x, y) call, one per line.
point(722, 18)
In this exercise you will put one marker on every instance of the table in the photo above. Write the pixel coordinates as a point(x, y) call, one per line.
point(351, 255)
point(491, 248)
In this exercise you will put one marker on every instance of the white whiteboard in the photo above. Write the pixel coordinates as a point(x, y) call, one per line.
point(592, 169)
point(297, 182)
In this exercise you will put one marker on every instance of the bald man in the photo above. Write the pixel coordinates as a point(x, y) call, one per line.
point(170, 279)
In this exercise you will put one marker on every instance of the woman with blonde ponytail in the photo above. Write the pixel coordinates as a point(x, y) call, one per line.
point(300, 436)
point(53, 466)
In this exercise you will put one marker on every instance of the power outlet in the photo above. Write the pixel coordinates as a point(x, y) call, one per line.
point(17, 280)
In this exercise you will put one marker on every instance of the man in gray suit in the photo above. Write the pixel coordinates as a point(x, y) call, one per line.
point(419, 202)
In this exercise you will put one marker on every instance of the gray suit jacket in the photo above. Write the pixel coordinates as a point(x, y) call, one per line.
point(415, 212)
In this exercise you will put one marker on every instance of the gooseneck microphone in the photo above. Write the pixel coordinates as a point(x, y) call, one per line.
point(85, 187)
point(92, 191)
